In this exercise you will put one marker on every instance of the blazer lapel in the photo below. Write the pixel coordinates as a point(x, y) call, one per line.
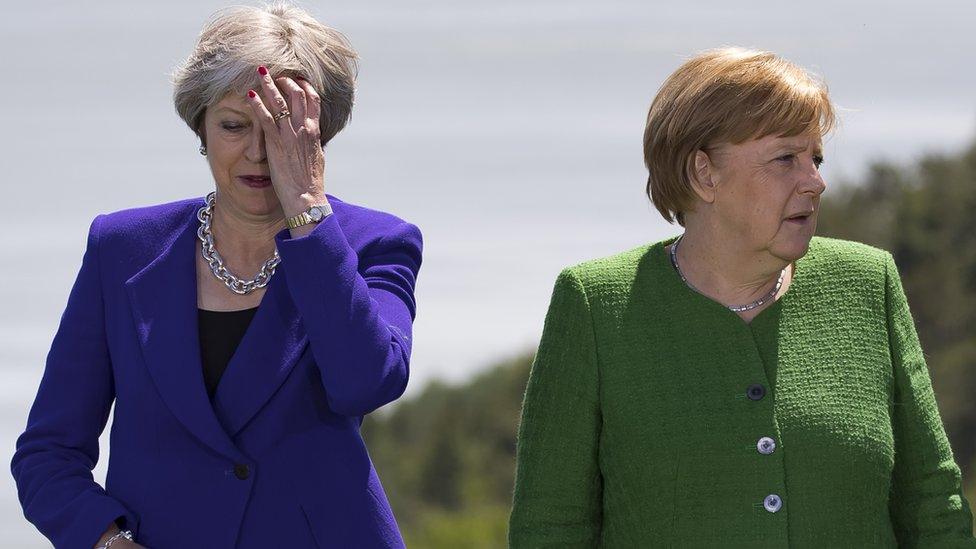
point(267, 353)
point(163, 299)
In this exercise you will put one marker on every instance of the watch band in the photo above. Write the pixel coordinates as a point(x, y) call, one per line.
point(312, 215)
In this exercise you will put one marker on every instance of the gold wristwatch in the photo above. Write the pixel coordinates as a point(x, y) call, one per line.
point(312, 215)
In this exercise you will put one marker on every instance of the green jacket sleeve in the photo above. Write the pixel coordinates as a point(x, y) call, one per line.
point(927, 505)
point(558, 487)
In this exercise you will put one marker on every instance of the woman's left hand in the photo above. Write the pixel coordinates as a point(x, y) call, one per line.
point(295, 155)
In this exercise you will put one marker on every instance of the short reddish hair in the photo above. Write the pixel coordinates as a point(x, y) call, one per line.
point(726, 95)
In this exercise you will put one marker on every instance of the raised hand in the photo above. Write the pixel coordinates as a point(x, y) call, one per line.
point(290, 122)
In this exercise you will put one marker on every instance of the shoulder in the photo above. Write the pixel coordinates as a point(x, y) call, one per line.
point(363, 226)
point(362, 218)
point(614, 275)
point(842, 272)
point(846, 260)
point(611, 270)
point(150, 217)
point(146, 225)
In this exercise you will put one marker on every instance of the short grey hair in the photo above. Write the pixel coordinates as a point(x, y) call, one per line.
point(283, 38)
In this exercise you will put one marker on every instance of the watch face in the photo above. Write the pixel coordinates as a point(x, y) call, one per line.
point(315, 213)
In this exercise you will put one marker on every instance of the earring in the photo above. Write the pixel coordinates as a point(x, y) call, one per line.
point(203, 150)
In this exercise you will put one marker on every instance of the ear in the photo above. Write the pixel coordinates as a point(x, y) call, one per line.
point(202, 134)
point(703, 176)
point(201, 130)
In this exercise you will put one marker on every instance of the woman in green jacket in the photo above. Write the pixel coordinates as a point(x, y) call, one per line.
point(745, 384)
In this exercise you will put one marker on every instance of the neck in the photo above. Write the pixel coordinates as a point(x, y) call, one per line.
point(726, 271)
point(245, 242)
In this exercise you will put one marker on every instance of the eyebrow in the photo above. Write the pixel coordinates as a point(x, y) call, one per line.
point(795, 148)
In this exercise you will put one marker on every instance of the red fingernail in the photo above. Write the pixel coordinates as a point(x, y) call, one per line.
point(251, 94)
point(263, 71)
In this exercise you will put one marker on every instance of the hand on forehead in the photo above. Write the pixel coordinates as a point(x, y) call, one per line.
point(278, 94)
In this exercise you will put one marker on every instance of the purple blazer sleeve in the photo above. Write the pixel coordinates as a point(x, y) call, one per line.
point(357, 309)
point(54, 457)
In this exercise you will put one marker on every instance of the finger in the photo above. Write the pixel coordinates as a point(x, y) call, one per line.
point(262, 114)
point(313, 104)
point(297, 100)
point(273, 100)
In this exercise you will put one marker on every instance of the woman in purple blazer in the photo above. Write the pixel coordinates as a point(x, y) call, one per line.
point(238, 396)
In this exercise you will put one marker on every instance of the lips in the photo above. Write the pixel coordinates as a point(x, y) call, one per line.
point(799, 218)
point(256, 181)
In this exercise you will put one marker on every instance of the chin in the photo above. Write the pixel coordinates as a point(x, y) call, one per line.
point(791, 251)
point(257, 202)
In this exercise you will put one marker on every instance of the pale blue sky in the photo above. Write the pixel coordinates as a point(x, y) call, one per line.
point(510, 132)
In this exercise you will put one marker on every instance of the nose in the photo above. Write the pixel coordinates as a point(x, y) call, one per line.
point(812, 181)
point(255, 151)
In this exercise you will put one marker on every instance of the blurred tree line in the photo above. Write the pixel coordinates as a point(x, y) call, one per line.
point(447, 456)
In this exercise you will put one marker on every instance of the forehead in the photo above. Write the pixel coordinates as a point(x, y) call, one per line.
point(795, 142)
point(232, 102)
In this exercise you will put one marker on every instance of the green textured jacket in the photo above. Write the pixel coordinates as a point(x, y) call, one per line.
point(656, 417)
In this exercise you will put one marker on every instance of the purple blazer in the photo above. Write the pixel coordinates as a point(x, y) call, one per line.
point(277, 460)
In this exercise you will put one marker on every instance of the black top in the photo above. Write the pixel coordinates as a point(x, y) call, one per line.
point(220, 333)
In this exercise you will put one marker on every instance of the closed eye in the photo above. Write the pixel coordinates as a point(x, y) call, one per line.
point(232, 126)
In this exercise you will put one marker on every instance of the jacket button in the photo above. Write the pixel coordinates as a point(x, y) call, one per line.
point(242, 471)
point(766, 445)
point(772, 503)
point(756, 391)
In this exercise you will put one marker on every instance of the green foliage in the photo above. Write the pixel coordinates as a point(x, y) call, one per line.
point(484, 527)
point(447, 456)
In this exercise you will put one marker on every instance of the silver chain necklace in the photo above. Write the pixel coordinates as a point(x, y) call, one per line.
point(734, 308)
point(236, 285)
